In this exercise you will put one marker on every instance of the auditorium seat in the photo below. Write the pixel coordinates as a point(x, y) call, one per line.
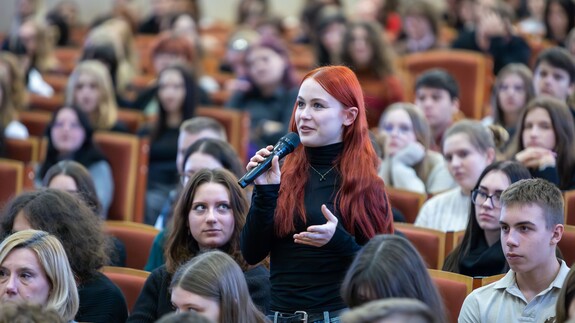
point(129, 280)
point(453, 288)
point(408, 203)
point(429, 243)
point(472, 70)
point(12, 175)
point(237, 125)
point(49, 104)
point(35, 121)
point(133, 119)
point(58, 82)
point(567, 245)
point(25, 150)
point(569, 209)
point(452, 240)
point(138, 239)
point(484, 281)
point(122, 152)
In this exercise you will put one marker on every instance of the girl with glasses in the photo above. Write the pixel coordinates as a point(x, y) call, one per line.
point(480, 253)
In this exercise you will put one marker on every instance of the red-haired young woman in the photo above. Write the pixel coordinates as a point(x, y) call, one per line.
point(329, 203)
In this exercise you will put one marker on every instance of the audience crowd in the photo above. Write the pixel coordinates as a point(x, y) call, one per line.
point(413, 118)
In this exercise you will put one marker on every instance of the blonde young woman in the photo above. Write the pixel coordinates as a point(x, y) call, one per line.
point(34, 47)
point(409, 164)
point(90, 88)
point(10, 66)
point(8, 114)
point(116, 32)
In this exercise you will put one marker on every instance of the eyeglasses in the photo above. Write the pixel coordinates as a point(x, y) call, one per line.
point(479, 197)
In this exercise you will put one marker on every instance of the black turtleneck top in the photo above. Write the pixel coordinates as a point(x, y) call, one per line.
point(303, 278)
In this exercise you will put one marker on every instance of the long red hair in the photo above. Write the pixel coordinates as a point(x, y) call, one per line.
point(363, 202)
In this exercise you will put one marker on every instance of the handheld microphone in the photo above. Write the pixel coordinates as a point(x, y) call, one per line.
point(285, 145)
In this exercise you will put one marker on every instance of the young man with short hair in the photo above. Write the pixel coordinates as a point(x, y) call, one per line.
point(554, 73)
point(191, 130)
point(437, 95)
point(531, 227)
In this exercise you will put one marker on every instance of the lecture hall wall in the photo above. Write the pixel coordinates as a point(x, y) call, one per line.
point(222, 10)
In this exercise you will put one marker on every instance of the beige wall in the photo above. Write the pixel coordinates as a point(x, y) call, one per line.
point(217, 9)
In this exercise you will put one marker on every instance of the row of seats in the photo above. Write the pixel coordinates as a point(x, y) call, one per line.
point(128, 157)
point(236, 123)
point(452, 287)
point(127, 154)
point(409, 203)
point(431, 244)
point(435, 245)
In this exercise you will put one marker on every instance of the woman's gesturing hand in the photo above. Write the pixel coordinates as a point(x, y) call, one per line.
point(318, 235)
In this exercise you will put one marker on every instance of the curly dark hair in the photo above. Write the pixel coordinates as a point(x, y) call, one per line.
point(70, 220)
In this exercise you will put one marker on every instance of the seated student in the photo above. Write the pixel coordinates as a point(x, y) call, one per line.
point(72, 177)
point(554, 75)
point(210, 214)
point(372, 59)
point(408, 163)
point(90, 88)
point(494, 35)
point(437, 95)
point(177, 99)
point(35, 269)
point(480, 253)
point(565, 306)
point(191, 130)
point(8, 113)
point(512, 90)
point(391, 310)
point(389, 266)
point(10, 66)
point(272, 93)
point(559, 19)
point(468, 147)
point(206, 153)
point(170, 48)
point(545, 141)
point(70, 137)
point(107, 55)
point(213, 284)
point(422, 28)
point(87, 247)
point(35, 49)
point(531, 226)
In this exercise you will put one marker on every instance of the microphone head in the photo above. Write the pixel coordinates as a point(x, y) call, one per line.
point(291, 139)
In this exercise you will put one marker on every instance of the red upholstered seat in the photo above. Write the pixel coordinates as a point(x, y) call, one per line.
point(429, 243)
point(130, 281)
point(408, 203)
point(472, 70)
point(138, 239)
point(453, 288)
